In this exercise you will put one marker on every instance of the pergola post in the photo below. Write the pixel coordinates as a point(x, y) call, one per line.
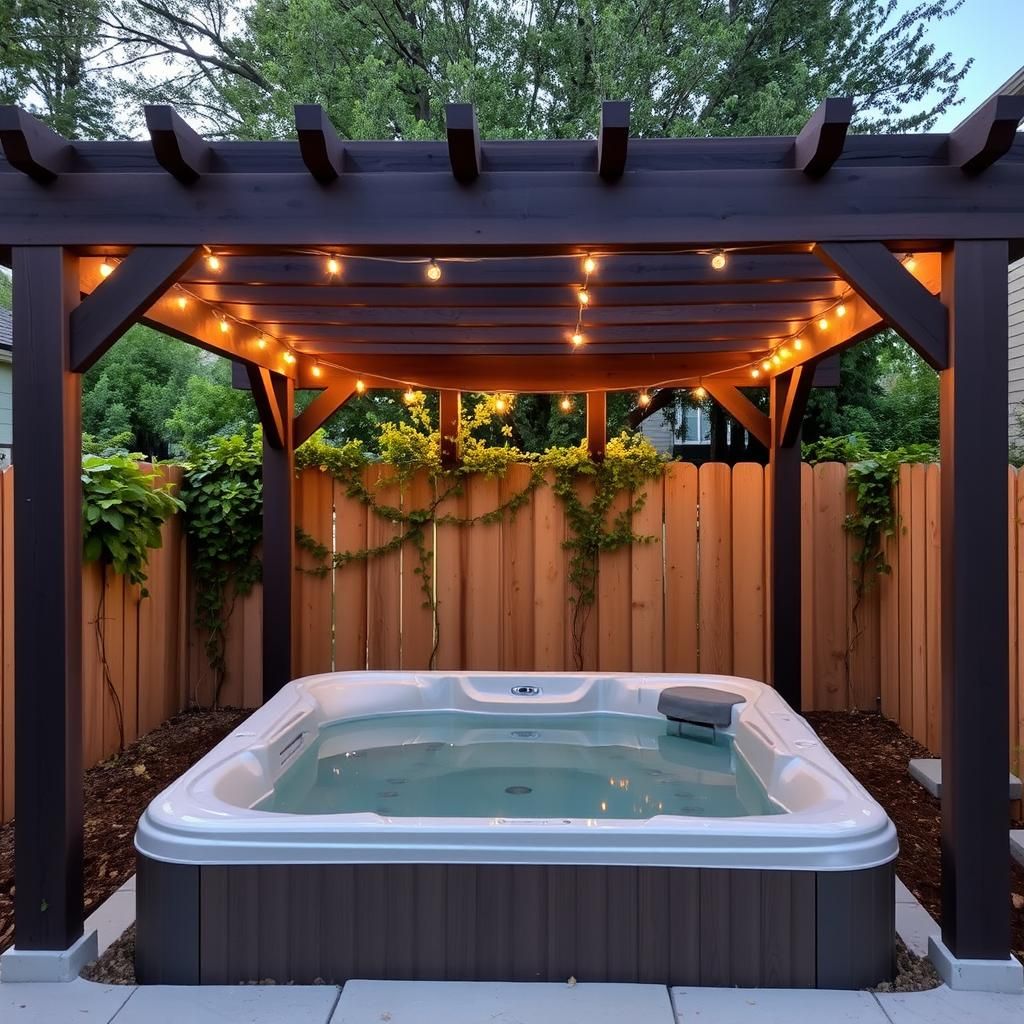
point(784, 460)
point(48, 624)
point(975, 667)
point(278, 533)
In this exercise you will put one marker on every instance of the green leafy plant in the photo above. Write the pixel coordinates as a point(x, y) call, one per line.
point(222, 493)
point(123, 508)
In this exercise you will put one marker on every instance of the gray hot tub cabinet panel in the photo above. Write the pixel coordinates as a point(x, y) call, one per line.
point(227, 924)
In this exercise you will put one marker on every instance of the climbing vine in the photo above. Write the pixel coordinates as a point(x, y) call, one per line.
point(222, 494)
point(123, 509)
point(416, 447)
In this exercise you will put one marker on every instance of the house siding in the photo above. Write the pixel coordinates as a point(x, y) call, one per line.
point(1016, 382)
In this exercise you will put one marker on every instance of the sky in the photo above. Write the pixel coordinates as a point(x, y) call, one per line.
point(990, 31)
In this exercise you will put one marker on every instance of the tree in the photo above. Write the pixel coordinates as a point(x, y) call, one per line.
point(51, 62)
point(208, 406)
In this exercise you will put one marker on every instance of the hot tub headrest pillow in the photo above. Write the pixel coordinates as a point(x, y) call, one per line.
point(698, 704)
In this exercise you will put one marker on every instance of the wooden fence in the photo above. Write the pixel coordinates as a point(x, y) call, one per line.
point(693, 599)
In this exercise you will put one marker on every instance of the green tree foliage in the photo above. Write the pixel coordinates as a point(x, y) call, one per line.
point(52, 62)
point(209, 406)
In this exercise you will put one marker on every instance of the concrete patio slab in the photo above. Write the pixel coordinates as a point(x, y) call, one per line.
point(41, 1003)
point(944, 1006)
point(474, 1002)
point(774, 1006)
point(112, 917)
point(928, 772)
point(220, 1004)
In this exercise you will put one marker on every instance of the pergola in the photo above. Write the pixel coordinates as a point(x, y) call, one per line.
point(335, 265)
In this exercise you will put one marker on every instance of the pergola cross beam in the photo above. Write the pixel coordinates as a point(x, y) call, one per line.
point(820, 143)
point(322, 151)
point(31, 146)
point(986, 135)
point(178, 148)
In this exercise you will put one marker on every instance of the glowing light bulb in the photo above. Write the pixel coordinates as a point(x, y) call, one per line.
point(584, 297)
point(911, 262)
point(224, 326)
point(643, 399)
point(213, 262)
point(718, 260)
point(106, 269)
point(289, 357)
point(798, 343)
point(577, 338)
point(784, 352)
point(500, 405)
point(360, 387)
point(840, 310)
point(317, 372)
point(766, 365)
point(755, 373)
point(565, 404)
point(409, 397)
point(261, 342)
point(333, 265)
point(823, 324)
point(776, 359)
point(182, 302)
point(589, 265)
point(434, 270)
point(699, 392)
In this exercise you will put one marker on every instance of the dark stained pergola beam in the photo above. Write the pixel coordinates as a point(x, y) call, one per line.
point(890, 289)
point(343, 295)
point(791, 414)
point(613, 139)
point(137, 282)
point(986, 135)
point(198, 324)
point(449, 416)
point(176, 146)
point(463, 142)
point(323, 407)
point(431, 215)
point(639, 271)
point(720, 337)
point(820, 143)
point(735, 353)
point(741, 409)
point(272, 416)
point(597, 424)
point(31, 146)
point(322, 151)
point(774, 317)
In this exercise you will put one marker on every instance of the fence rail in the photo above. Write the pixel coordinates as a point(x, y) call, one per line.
point(692, 599)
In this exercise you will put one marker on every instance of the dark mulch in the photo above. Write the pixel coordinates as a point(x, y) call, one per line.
point(876, 753)
point(116, 793)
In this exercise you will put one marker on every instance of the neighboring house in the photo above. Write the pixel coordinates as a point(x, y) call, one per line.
point(663, 430)
point(6, 387)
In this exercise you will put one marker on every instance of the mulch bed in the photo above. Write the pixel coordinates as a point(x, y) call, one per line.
point(116, 793)
point(876, 754)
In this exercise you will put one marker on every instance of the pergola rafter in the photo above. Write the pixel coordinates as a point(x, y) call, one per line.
point(722, 262)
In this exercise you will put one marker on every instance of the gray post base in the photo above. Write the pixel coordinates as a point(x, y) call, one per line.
point(975, 975)
point(48, 964)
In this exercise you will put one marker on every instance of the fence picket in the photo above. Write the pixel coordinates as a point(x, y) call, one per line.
point(715, 568)
point(748, 581)
point(680, 567)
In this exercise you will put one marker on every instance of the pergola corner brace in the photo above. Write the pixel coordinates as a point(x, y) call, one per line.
point(322, 408)
point(741, 409)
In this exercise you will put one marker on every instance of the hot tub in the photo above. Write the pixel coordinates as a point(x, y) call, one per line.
point(511, 826)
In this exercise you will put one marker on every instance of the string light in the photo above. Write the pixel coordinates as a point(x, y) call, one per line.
point(766, 365)
point(434, 270)
point(584, 297)
point(289, 357)
point(718, 260)
point(409, 397)
point(911, 262)
point(840, 310)
point(643, 399)
point(589, 264)
point(577, 337)
point(700, 392)
point(500, 405)
point(798, 343)
point(784, 352)
point(317, 372)
point(106, 269)
point(755, 373)
point(212, 261)
point(333, 265)
point(776, 359)
point(823, 324)
point(360, 387)
point(224, 325)
point(261, 341)
point(182, 302)
point(565, 404)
